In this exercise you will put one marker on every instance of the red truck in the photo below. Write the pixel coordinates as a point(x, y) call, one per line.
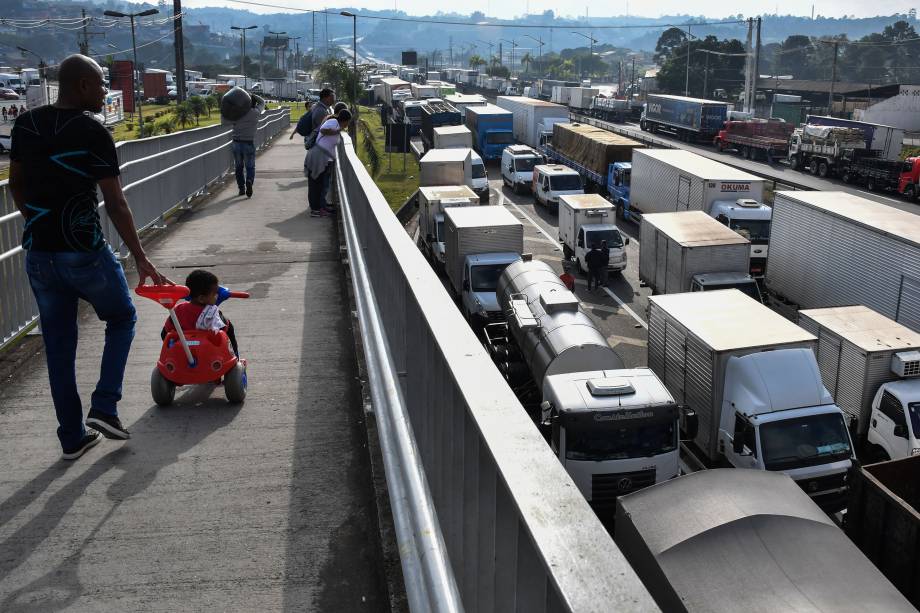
point(901, 176)
point(755, 138)
point(155, 86)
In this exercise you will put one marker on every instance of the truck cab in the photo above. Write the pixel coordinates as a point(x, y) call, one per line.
point(894, 426)
point(751, 219)
point(909, 181)
point(480, 280)
point(518, 162)
point(618, 180)
point(710, 281)
point(614, 431)
point(778, 416)
point(550, 181)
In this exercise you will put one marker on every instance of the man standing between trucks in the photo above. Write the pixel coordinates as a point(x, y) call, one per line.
point(595, 261)
point(244, 145)
point(59, 156)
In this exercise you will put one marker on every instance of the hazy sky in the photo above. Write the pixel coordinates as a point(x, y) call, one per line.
point(512, 8)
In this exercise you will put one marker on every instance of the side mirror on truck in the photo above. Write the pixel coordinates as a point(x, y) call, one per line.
point(738, 443)
point(429, 238)
point(626, 241)
point(466, 285)
point(900, 431)
point(689, 422)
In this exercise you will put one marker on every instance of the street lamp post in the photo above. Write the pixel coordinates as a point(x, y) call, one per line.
point(132, 16)
point(513, 45)
point(539, 42)
point(591, 39)
point(354, 67)
point(490, 46)
point(41, 72)
point(243, 50)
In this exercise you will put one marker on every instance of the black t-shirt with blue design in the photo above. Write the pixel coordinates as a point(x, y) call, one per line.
point(63, 153)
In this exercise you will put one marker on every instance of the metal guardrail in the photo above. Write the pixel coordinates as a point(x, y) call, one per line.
point(473, 484)
point(159, 174)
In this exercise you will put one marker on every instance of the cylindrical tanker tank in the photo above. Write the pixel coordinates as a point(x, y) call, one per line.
point(552, 334)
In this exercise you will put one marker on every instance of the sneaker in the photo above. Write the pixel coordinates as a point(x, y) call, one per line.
point(108, 425)
point(327, 211)
point(90, 439)
point(319, 213)
point(242, 192)
point(249, 190)
point(329, 207)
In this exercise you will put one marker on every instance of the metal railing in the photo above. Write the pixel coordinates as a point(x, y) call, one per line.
point(158, 175)
point(486, 517)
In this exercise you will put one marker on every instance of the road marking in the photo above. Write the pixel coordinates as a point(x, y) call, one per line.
point(501, 201)
point(613, 340)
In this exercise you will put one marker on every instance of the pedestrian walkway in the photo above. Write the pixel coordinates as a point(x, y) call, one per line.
point(266, 506)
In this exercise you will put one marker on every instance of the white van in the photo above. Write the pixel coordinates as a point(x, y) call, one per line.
point(480, 177)
point(553, 180)
point(11, 81)
point(518, 162)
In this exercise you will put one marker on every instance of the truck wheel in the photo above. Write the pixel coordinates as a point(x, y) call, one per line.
point(578, 266)
point(163, 391)
point(846, 177)
point(813, 167)
point(566, 252)
point(621, 209)
point(910, 192)
point(746, 152)
point(795, 162)
point(822, 169)
point(870, 184)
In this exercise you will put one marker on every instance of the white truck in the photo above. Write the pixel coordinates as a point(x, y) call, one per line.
point(395, 90)
point(529, 115)
point(752, 379)
point(615, 430)
point(462, 101)
point(871, 365)
point(518, 162)
point(689, 252)
point(584, 220)
point(432, 201)
point(581, 98)
point(453, 137)
point(446, 167)
point(480, 242)
point(551, 181)
point(664, 180)
point(835, 248)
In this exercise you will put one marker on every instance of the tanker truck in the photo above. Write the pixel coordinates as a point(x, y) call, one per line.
point(614, 429)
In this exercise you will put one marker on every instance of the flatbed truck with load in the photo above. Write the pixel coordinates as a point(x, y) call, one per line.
point(752, 379)
point(835, 248)
point(689, 119)
point(729, 541)
point(614, 429)
point(755, 139)
point(850, 150)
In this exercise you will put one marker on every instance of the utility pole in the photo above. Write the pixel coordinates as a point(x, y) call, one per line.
point(830, 96)
point(687, 77)
point(632, 82)
point(84, 46)
point(179, 44)
point(748, 69)
point(313, 49)
point(706, 78)
point(756, 66)
point(450, 49)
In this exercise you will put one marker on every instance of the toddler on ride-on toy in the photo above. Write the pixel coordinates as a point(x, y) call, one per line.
point(199, 344)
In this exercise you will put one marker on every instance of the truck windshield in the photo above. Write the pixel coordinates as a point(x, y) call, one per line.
point(439, 231)
point(752, 229)
point(500, 138)
point(598, 441)
point(804, 441)
point(613, 238)
point(913, 410)
point(525, 164)
point(560, 183)
point(479, 171)
point(484, 278)
point(750, 289)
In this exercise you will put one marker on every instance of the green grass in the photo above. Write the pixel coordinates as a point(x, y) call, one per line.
point(395, 183)
point(297, 109)
point(4, 173)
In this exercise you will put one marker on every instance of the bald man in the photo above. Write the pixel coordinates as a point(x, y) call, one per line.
point(59, 155)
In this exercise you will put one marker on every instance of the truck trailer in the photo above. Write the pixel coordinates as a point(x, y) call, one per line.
point(834, 248)
point(727, 541)
point(755, 138)
point(446, 167)
point(681, 252)
point(529, 114)
point(492, 128)
point(871, 365)
point(689, 119)
point(752, 379)
point(452, 137)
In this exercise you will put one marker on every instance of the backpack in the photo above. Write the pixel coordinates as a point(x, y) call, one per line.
point(310, 140)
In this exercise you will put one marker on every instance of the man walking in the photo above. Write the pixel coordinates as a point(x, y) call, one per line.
point(59, 155)
point(244, 145)
point(595, 260)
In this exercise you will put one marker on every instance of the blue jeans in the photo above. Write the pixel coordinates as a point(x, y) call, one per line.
point(244, 155)
point(59, 280)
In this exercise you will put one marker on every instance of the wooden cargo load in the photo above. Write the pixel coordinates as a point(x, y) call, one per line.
point(592, 147)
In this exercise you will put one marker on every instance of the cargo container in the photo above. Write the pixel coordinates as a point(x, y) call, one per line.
point(677, 251)
point(582, 97)
point(753, 381)
point(446, 167)
point(462, 101)
point(544, 87)
point(155, 86)
point(432, 202)
point(834, 248)
point(883, 520)
point(394, 90)
point(722, 540)
point(420, 92)
point(528, 116)
point(453, 137)
point(436, 114)
point(687, 118)
point(871, 365)
point(492, 128)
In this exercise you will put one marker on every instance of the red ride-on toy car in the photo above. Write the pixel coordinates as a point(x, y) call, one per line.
point(193, 357)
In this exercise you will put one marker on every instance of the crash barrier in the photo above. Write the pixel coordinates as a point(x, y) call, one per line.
point(158, 175)
point(486, 517)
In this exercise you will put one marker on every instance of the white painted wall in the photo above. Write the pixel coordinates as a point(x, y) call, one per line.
point(901, 111)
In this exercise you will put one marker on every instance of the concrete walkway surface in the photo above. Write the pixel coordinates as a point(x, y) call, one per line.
point(266, 506)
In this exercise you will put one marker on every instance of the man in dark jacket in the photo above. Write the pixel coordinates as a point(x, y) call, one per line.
point(595, 260)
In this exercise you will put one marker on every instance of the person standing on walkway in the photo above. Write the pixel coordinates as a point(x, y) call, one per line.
point(318, 165)
point(594, 260)
point(58, 157)
point(309, 123)
point(244, 145)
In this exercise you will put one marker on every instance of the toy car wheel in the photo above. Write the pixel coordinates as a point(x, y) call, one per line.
point(235, 384)
point(163, 390)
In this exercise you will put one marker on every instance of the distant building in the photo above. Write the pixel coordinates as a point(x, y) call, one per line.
point(901, 110)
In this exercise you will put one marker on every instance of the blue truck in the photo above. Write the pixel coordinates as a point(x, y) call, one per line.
point(689, 119)
point(492, 128)
point(614, 185)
